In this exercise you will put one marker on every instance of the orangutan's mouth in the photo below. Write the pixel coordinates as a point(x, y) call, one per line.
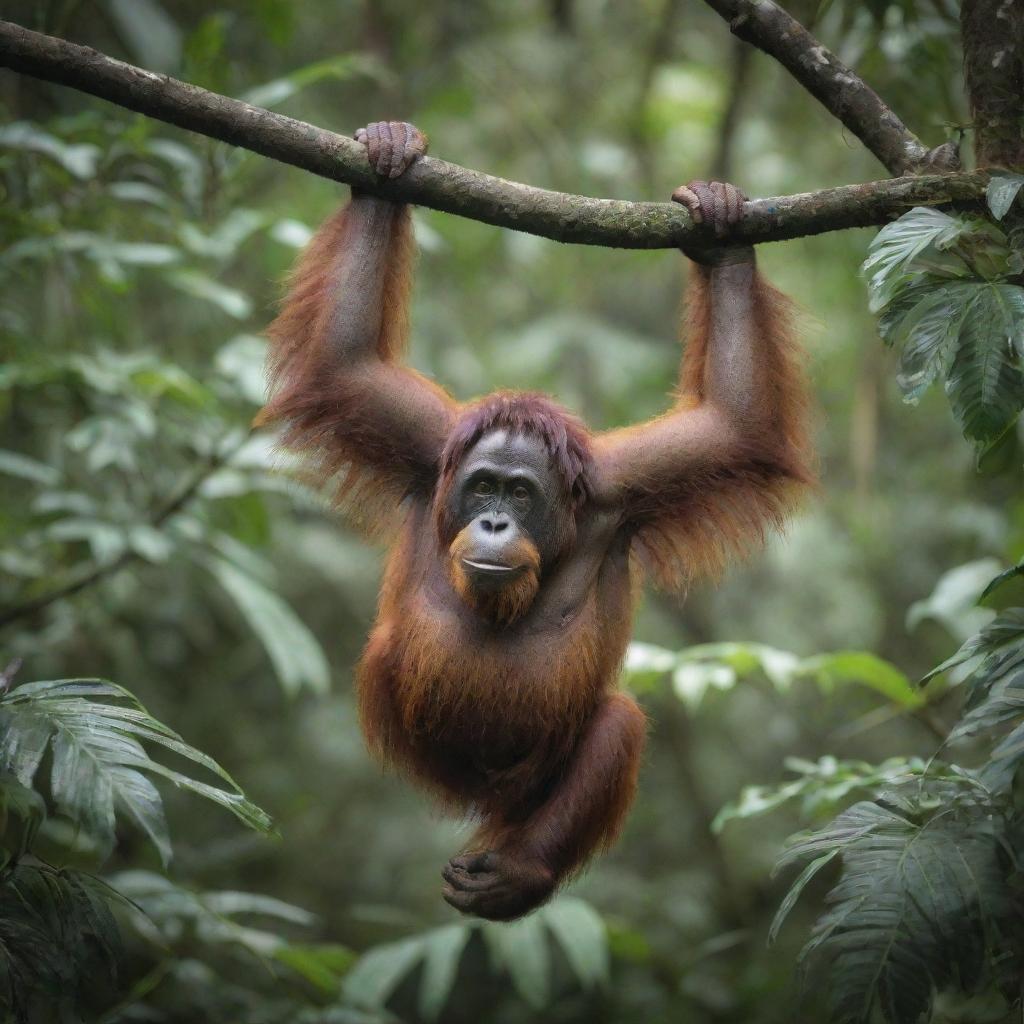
point(491, 566)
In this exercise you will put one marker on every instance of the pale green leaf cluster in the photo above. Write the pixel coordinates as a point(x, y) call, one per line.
point(695, 671)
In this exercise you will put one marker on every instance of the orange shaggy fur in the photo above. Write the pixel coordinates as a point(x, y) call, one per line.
point(494, 707)
point(506, 605)
point(694, 527)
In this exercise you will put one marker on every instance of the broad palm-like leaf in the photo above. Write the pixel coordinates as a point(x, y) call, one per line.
point(56, 929)
point(985, 383)
point(927, 333)
point(918, 908)
point(520, 949)
point(96, 732)
point(995, 696)
point(895, 248)
point(946, 290)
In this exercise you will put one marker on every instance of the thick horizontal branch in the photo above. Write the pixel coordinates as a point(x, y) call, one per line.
point(444, 186)
point(840, 90)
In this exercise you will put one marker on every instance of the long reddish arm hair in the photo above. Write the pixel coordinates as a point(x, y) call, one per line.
point(703, 483)
point(362, 419)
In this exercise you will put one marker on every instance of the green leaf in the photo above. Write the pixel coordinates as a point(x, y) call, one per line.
point(1013, 573)
point(150, 543)
point(346, 66)
point(985, 383)
point(953, 601)
point(919, 895)
point(754, 801)
point(442, 951)
point(231, 301)
point(79, 160)
point(230, 902)
point(171, 910)
point(321, 964)
point(927, 335)
point(1006, 630)
point(22, 811)
point(1002, 190)
point(57, 934)
point(241, 361)
point(379, 972)
point(152, 36)
point(825, 785)
point(99, 759)
point(894, 249)
point(25, 738)
point(521, 948)
point(692, 679)
point(865, 669)
point(16, 464)
point(795, 891)
point(295, 653)
point(581, 933)
point(645, 664)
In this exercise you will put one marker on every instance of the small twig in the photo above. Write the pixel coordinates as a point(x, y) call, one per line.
point(453, 189)
point(838, 88)
point(101, 572)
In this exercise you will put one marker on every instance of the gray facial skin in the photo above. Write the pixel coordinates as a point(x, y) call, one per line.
point(506, 487)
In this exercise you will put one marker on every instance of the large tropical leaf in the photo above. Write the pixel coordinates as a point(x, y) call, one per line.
point(920, 904)
point(521, 950)
point(96, 732)
point(995, 695)
point(894, 250)
point(926, 335)
point(947, 292)
point(295, 653)
point(825, 786)
point(56, 932)
point(986, 383)
point(215, 918)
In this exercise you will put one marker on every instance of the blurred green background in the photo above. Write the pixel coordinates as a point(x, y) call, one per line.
point(141, 263)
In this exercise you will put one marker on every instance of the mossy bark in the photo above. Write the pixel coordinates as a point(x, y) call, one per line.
point(993, 38)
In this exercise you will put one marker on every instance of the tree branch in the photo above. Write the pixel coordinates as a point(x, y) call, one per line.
point(444, 186)
point(839, 89)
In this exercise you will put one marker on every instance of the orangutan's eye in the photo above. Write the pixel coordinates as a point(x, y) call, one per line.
point(484, 488)
point(521, 493)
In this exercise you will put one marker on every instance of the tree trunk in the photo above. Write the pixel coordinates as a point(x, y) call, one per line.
point(993, 37)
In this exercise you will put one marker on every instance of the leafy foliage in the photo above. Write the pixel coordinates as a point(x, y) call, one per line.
point(1003, 189)
point(950, 301)
point(522, 950)
point(95, 732)
point(696, 670)
point(927, 901)
point(823, 786)
point(57, 928)
point(923, 903)
point(137, 267)
point(59, 937)
point(220, 924)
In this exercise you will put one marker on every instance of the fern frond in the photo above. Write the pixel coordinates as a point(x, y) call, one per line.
point(920, 904)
